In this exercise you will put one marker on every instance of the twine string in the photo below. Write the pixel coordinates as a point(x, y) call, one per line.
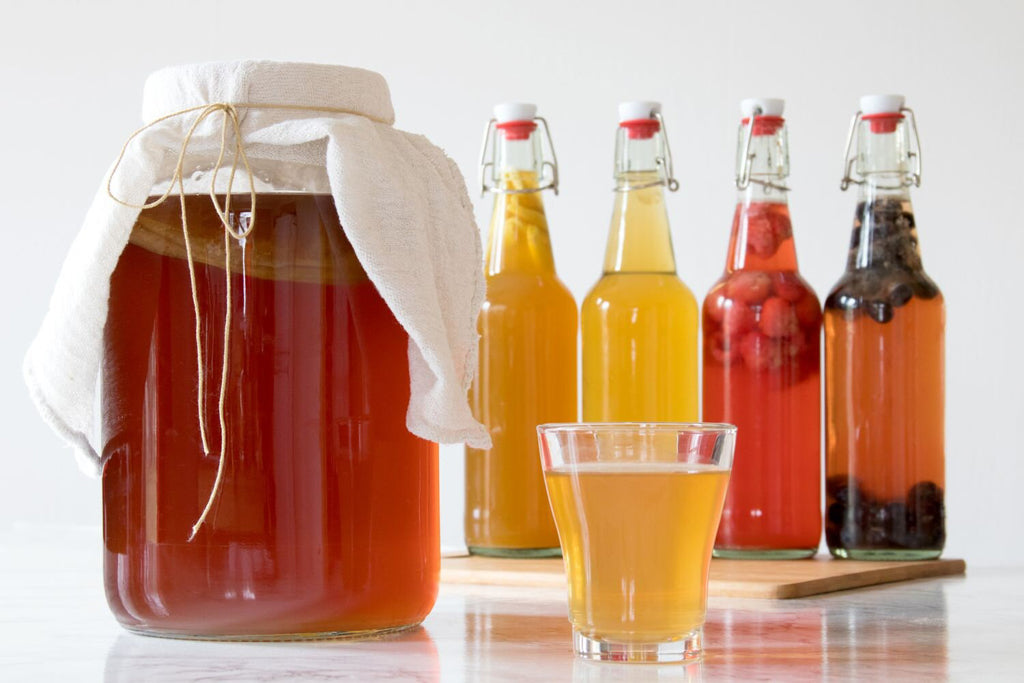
point(229, 125)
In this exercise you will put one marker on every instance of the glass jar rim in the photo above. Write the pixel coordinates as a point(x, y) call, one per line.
point(683, 427)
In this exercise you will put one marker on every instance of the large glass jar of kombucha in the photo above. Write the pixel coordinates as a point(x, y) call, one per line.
point(527, 373)
point(639, 321)
point(762, 326)
point(884, 359)
point(324, 514)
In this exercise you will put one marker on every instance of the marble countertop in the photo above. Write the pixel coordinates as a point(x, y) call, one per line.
point(54, 625)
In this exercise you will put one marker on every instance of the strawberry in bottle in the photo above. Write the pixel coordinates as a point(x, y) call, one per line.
point(762, 325)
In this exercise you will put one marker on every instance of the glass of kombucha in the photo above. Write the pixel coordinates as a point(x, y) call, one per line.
point(637, 507)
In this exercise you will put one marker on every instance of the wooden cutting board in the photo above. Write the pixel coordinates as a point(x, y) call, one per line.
point(729, 578)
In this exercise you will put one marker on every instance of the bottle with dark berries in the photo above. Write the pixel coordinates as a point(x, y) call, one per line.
point(884, 359)
point(762, 325)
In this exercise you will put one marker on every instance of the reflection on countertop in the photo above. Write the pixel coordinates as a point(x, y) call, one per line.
point(55, 625)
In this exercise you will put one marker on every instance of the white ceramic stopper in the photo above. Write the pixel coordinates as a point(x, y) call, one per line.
point(770, 106)
point(515, 111)
point(632, 111)
point(881, 104)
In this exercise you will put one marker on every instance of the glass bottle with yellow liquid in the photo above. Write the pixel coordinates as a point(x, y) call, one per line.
point(527, 372)
point(640, 321)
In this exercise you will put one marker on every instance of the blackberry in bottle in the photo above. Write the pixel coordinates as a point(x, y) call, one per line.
point(884, 359)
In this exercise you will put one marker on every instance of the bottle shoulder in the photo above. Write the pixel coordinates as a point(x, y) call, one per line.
point(881, 292)
point(518, 288)
point(753, 287)
point(633, 289)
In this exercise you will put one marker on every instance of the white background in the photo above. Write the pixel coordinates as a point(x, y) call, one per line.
point(72, 74)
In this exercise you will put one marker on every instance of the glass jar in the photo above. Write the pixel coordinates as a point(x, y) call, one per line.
point(325, 518)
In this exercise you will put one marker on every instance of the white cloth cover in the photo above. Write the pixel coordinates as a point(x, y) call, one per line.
point(402, 201)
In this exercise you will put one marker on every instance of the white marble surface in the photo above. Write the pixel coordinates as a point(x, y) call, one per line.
point(54, 626)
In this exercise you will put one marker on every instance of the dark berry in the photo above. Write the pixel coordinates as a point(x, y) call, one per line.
point(899, 294)
point(879, 311)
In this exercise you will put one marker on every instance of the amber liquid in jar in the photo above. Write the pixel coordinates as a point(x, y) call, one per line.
point(884, 359)
point(327, 517)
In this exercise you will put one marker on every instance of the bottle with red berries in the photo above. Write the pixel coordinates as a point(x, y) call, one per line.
point(884, 358)
point(762, 324)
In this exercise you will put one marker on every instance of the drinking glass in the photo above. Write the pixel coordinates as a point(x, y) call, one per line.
point(637, 507)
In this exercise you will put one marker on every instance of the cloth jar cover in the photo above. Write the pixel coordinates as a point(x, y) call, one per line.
point(402, 202)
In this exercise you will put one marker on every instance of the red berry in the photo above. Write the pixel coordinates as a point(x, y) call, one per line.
point(722, 350)
point(789, 286)
point(738, 318)
point(750, 287)
point(768, 226)
point(778, 319)
point(808, 311)
point(782, 228)
point(760, 239)
point(715, 303)
point(793, 346)
point(761, 352)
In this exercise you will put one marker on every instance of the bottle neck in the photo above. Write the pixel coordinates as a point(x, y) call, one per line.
point(762, 233)
point(884, 233)
point(518, 240)
point(639, 240)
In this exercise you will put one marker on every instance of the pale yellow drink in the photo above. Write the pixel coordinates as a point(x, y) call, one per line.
point(637, 540)
point(640, 321)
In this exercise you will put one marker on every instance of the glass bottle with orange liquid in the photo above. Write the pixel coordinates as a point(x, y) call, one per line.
point(884, 359)
point(640, 320)
point(527, 373)
point(762, 325)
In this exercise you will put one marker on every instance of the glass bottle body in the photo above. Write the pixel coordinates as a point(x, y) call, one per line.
point(762, 325)
point(884, 392)
point(527, 371)
point(639, 322)
point(327, 519)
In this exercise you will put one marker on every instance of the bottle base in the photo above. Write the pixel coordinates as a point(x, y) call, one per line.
point(687, 648)
point(763, 553)
point(515, 552)
point(884, 554)
point(271, 637)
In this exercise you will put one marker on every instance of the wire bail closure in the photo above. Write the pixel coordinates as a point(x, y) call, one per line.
point(665, 163)
point(743, 174)
point(912, 178)
point(547, 182)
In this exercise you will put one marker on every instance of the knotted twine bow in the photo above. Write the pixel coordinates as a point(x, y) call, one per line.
point(229, 121)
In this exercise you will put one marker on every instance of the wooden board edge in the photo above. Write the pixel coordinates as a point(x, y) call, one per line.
point(927, 569)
